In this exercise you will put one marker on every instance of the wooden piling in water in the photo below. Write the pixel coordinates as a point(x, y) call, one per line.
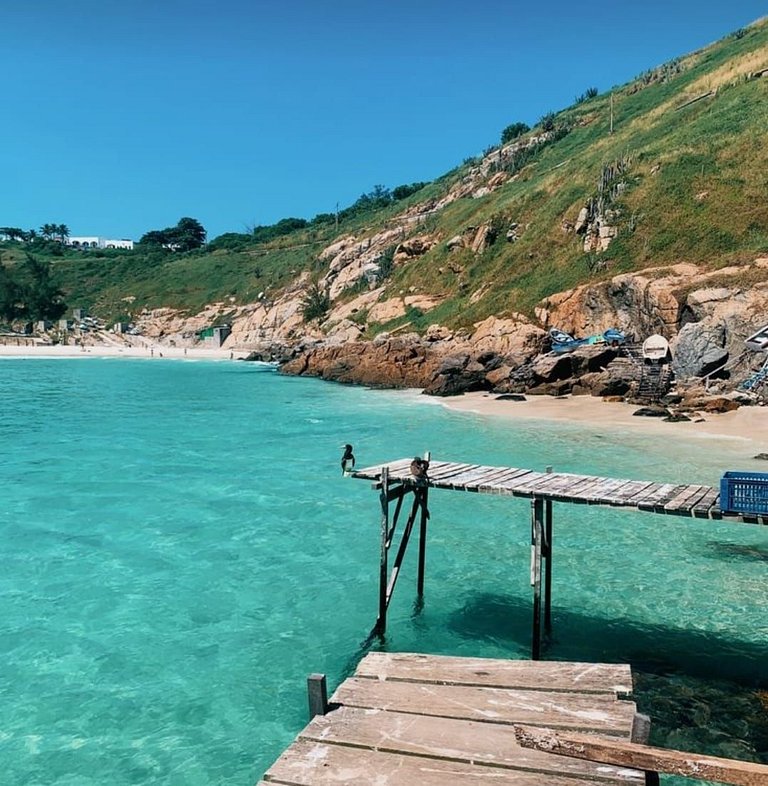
point(424, 494)
point(537, 506)
point(317, 695)
point(381, 622)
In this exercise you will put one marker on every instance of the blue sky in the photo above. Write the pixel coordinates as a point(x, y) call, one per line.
point(121, 117)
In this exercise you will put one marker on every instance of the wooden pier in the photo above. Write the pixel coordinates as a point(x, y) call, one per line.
point(395, 482)
point(428, 720)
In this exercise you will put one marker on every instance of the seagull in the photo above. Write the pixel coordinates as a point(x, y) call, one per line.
point(419, 468)
point(347, 460)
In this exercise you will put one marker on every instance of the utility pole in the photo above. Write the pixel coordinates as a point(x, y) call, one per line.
point(611, 131)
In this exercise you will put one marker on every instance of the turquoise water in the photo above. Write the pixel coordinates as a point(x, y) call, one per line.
point(180, 551)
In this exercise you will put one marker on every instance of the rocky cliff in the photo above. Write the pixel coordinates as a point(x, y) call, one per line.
point(706, 315)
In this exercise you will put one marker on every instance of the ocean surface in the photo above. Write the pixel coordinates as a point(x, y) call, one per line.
point(179, 551)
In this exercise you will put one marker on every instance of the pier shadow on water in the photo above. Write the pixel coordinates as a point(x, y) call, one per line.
point(705, 692)
point(735, 552)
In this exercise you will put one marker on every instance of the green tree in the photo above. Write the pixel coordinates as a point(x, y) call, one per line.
point(10, 296)
point(62, 232)
point(188, 234)
point(12, 233)
point(41, 297)
point(401, 192)
point(48, 231)
point(513, 132)
point(155, 237)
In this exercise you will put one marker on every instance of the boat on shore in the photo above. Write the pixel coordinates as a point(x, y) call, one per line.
point(565, 342)
point(656, 349)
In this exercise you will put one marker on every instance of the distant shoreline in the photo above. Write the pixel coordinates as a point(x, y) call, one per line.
point(127, 351)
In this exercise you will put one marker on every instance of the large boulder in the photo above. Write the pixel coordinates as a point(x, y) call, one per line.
point(457, 374)
point(389, 362)
point(515, 339)
point(637, 303)
point(699, 349)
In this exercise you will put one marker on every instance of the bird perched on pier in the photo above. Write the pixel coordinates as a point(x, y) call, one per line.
point(347, 460)
point(419, 468)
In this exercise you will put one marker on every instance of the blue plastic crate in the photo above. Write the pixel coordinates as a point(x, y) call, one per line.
point(744, 492)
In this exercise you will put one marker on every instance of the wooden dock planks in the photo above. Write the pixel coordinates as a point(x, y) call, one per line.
point(613, 679)
point(309, 763)
point(693, 500)
point(440, 738)
point(407, 719)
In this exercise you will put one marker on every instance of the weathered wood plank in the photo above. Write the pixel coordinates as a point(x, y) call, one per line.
point(504, 486)
point(574, 486)
point(588, 492)
point(465, 479)
point(544, 484)
point(608, 678)
point(694, 500)
point(440, 475)
point(679, 499)
point(659, 503)
point(473, 476)
point(702, 507)
point(374, 472)
point(606, 490)
point(452, 740)
point(682, 500)
point(499, 475)
point(309, 763)
point(653, 493)
point(594, 712)
point(645, 757)
point(633, 490)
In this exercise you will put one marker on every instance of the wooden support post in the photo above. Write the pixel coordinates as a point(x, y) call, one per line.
point(405, 537)
point(640, 734)
point(548, 563)
point(317, 693)
point(548, 566)
point(536, 549)
point(423, 539)
point(381, 621)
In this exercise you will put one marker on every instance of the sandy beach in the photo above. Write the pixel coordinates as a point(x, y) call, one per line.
point(147, 350)
point(749, 424)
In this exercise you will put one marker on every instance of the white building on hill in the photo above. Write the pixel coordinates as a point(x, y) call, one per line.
point(98, 242)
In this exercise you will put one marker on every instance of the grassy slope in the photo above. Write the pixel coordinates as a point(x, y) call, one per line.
point(713, 146)
point(695, 192)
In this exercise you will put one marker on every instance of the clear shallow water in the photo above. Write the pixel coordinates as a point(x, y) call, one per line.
point(180, 551)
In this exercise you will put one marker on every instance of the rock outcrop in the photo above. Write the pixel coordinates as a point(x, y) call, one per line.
point(705, 321)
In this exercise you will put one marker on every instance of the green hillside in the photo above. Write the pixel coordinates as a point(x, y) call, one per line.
point(679, 151)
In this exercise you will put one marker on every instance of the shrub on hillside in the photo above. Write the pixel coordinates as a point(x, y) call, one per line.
point(315, 302)
point(513, 131)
